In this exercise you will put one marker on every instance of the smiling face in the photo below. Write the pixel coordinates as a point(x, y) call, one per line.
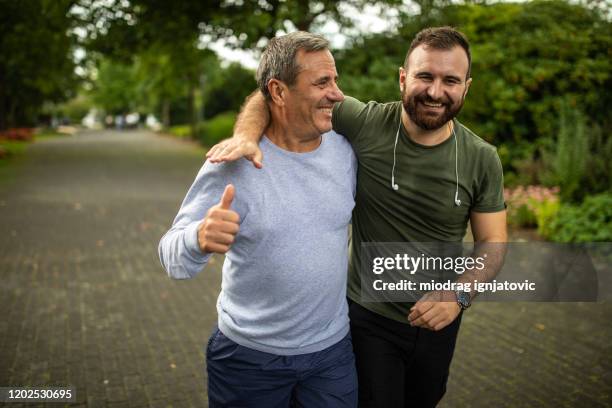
point(309, 101)
point(434, 85)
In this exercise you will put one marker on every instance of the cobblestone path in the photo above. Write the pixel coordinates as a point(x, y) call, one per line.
point(85, 302)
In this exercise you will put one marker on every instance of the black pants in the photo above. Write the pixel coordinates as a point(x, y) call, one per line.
point(399, 365)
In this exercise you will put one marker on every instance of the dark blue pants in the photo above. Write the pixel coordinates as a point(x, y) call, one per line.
point(242, 377)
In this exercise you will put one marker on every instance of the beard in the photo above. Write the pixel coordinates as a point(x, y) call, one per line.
point(430, 120)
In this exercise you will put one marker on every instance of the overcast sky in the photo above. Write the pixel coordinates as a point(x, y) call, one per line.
point(369, 20)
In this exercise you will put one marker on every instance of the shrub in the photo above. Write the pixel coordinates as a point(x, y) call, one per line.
point(599, 163)
point(546, 212)
point(20, 134)
point(580, 160)
point(528, 206)
point(590, 221)
point(182, 131)
point(568, 163)
point(218, 128)
point(523, 161)
point(209, 132)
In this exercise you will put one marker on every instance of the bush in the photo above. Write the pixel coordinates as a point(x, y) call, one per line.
point(18, 134)
point(209, 132)
point(568, 163)
point(599, 164)
point(182, 131)
point(590, 221)
point(218, 128)
point(546, 212)
point(530, 206)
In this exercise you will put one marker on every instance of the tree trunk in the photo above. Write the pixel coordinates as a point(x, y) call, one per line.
point(166, 114)
point(3, 124)
point(193, 120)
point(10, 119)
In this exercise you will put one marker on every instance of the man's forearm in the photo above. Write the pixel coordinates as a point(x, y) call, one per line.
point(493, 254)
point(250, 126)
point(253, 119)
point(490, 238)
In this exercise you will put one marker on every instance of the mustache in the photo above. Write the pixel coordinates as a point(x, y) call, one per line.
point(424, 97)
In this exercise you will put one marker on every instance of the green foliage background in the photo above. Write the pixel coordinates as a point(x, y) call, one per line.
point(34, 58)
point(542, 71)
point(542, 74)
point(527, 59)
point(590, 221)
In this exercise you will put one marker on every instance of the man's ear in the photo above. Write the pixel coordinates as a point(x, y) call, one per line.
point(402, 78)
point(467, 86)
point(278, 91)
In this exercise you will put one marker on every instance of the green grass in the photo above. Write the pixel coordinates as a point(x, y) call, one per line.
point(180, 131)
point(48, 134)
point(14, 150)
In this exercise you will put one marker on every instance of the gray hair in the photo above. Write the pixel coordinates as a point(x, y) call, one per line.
point(278, 61)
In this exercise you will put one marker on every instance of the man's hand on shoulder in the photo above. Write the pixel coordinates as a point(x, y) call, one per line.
point(435, 310)
point(216, 233)
point(235, 148)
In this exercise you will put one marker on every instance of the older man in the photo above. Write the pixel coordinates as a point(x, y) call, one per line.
point(422, 177)
point(283, 329)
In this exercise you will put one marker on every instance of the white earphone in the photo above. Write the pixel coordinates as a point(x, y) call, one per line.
point(396, 186)
point(457, 200)
point(393, 185)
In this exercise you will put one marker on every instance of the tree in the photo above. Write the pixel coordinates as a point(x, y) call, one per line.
point(115, 87)
point(170, 35)
point(160, 84)
point(227, 88)
point(527, 58)
point(36, 64)
point(120, 27)
point(251, 20)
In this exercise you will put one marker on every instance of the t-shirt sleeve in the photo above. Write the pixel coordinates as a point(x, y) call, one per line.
point(348, 117)
point(353, 172)
point(490, 195)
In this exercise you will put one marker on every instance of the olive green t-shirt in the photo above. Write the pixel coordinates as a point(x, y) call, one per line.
point(423, 208)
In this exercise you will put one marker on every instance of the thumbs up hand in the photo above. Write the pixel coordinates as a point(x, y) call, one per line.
point(217, 231)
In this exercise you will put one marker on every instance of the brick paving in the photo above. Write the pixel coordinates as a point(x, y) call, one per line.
point(85, 301)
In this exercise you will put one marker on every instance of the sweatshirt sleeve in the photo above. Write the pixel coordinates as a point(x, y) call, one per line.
point(179, 252)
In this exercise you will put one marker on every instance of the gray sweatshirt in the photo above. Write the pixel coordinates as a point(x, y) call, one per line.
point(284, 279)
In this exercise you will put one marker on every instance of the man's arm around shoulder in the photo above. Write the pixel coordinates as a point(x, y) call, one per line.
point(254, 118)
point(250, 125)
